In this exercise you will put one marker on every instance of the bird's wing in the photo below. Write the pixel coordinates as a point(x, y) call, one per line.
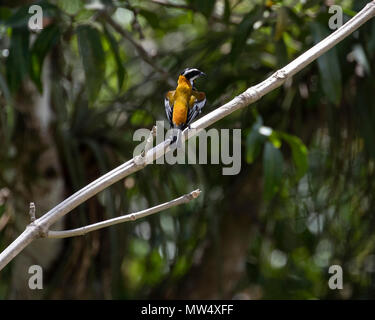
point(196, 103)
point(168, 103)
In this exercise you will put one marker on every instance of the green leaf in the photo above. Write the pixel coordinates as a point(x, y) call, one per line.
point(281, 52)
point(141, 118)
point(151, 17)
point(275, 140)
point(294, 17)
point(282, 22)
point(42, 45)
point(5, 13)
point(254, 142)
point(115, 50)
point(93, 59)
point(299, 153)
point(10, 119)
point(273, 170)
point(310, 4)
point(243, 31)
point(206, 7)
point(329, 67)
point(349, 12)
point(71, 7)
point(19, 19)
point(17, 63)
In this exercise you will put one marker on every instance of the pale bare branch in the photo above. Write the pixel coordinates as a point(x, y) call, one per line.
point(129, 217)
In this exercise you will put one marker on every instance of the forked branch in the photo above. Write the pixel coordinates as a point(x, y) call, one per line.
point(129, 217)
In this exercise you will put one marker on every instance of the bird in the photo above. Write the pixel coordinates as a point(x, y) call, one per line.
point(185, 103)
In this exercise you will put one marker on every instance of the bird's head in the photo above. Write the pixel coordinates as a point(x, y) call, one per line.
point(191, 74)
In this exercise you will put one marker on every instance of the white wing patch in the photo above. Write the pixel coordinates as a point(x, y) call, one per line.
point(195, 110)
point(168, 110)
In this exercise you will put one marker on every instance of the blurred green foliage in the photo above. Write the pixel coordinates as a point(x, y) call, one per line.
point(313, 139)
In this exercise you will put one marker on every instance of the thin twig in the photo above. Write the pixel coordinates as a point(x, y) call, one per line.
point(4, 219)
point(32, 211)
point(42, 225)
point(129, 217)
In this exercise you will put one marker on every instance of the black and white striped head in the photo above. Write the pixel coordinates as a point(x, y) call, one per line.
point(191, 74)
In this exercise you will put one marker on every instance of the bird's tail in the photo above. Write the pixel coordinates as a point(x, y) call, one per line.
point(177, 136)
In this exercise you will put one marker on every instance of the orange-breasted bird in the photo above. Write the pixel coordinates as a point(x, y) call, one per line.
point(184, 104)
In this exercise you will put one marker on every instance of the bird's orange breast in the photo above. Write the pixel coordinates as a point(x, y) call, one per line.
point(179, 113)
point(181, 101)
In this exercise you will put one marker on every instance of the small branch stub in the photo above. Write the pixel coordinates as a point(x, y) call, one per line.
point(195, 194)
point(32, 212)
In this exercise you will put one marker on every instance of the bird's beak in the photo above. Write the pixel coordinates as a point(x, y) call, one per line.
point(202, 74)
